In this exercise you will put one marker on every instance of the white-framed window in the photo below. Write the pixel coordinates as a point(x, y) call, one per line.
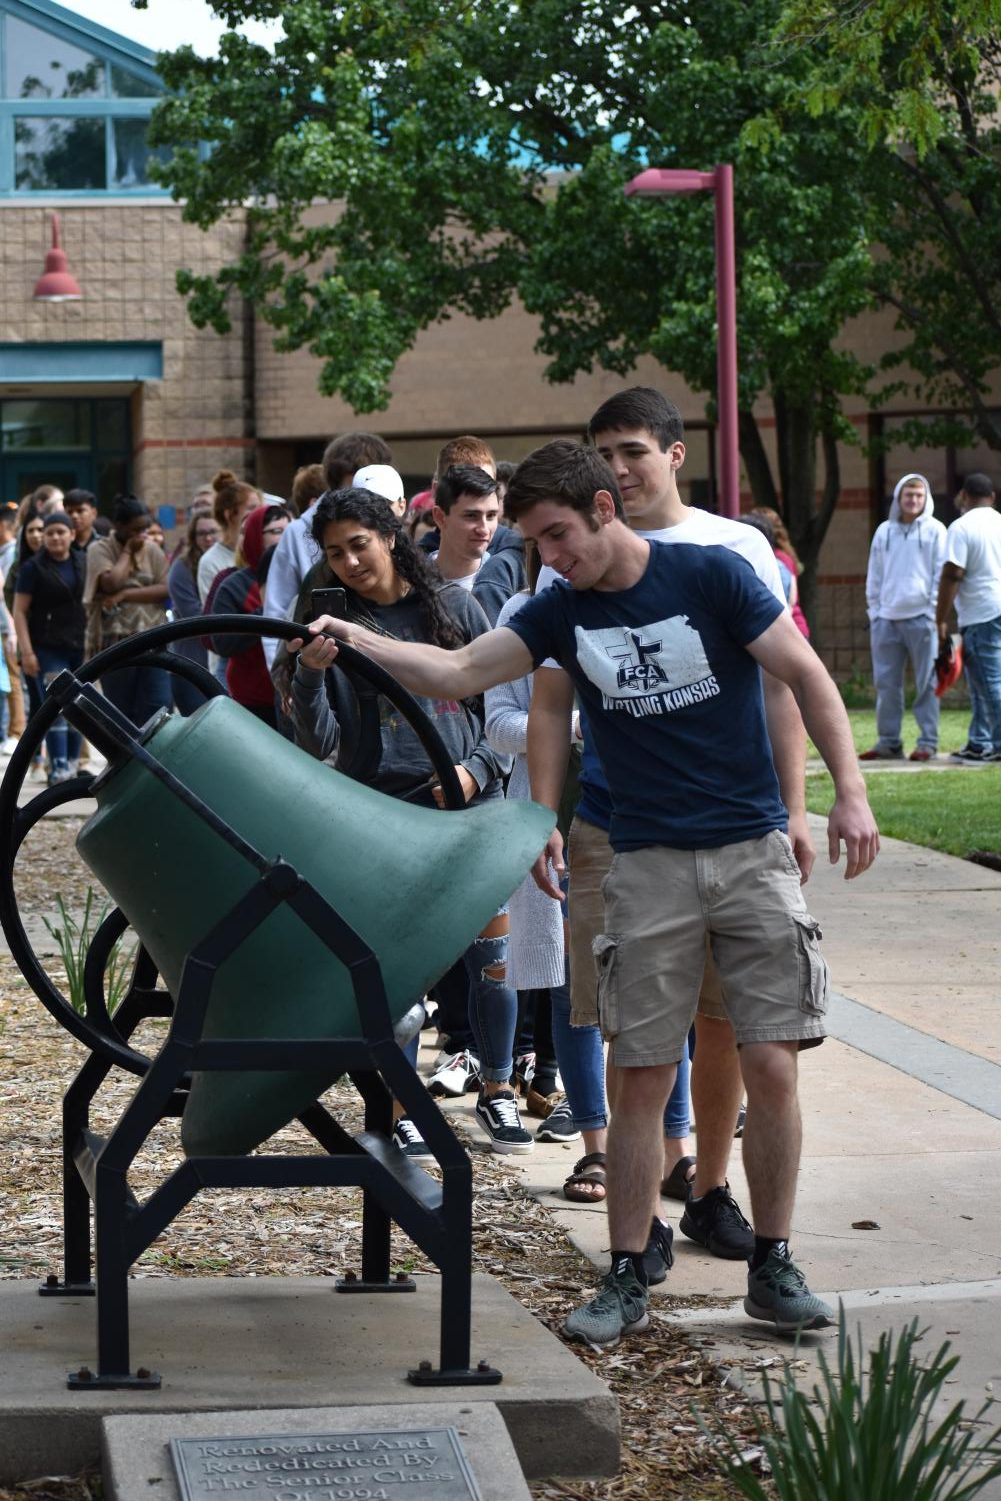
point(74, 108)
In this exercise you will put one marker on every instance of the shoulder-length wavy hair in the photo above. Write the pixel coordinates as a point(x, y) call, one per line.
point(412, 565)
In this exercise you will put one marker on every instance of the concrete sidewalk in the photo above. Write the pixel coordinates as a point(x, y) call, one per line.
point(902, 1128)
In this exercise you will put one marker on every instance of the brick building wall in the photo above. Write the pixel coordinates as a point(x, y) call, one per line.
point(234, 402)
point(125, 255)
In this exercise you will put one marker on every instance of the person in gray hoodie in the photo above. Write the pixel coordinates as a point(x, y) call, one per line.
point(901, 589)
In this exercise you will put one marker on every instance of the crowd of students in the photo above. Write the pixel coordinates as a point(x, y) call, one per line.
point(682, 672)
point(655, 701)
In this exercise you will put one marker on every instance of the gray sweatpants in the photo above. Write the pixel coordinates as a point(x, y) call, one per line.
point(892, 642)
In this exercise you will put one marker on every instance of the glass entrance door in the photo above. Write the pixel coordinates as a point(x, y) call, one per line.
point(80, 442)
point(68, 472)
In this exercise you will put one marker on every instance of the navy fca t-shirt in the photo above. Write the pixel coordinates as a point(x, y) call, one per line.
point(672, 698)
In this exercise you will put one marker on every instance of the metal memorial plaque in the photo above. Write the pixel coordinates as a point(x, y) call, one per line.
point(327, 1466)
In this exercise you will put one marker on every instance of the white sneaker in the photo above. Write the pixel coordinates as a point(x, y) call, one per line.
point(524, 1070)
point(455, 1074)
point(9, 746)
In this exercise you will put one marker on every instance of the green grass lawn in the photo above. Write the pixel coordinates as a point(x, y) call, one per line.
point(955, 812)
point(953, 725)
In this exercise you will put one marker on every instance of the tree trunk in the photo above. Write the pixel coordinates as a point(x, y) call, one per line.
point(759, 471)
point(797, 425)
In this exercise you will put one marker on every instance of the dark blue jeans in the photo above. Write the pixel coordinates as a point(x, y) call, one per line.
point(581, 1057)
point(982, 659)
point(493, 1007)
point(62, 742)
point(187, 698)
point(137, 692)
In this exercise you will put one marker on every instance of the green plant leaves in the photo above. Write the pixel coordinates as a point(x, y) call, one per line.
point(73, 937)
point(869, 1428)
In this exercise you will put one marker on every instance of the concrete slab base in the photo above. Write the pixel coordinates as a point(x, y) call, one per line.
point(224, 1344)
point(136, 1455)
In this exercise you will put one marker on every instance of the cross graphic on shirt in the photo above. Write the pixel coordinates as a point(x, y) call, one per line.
point(638, 669)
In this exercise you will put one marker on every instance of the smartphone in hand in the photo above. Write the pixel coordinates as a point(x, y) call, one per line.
point(329, 602)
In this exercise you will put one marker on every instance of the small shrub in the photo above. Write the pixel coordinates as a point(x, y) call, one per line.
point(74, 939)
point(869, 1436)
point(856, 688)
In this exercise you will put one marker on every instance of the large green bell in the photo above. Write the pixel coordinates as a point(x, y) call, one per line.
point(415, 883)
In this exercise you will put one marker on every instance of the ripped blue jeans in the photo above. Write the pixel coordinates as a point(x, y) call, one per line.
point(62, 741)
point(493, 1005)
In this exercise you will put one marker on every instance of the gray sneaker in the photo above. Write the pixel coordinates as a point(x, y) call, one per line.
point(778, 1294)
point(619, 1307)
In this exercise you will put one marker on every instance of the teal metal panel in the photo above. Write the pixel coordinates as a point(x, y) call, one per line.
point(77, 361)
point(75, 108)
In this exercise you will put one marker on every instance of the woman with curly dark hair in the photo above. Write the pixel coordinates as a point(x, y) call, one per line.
point(390, 587)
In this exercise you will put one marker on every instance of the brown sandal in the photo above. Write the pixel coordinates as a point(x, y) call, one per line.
point(580, 1180)
point(679, 1180)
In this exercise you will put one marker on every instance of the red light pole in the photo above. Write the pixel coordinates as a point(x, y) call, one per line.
point(660, 182)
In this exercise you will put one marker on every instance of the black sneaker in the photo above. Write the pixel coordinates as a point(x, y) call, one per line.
point(498, 1115)
point(558, 1125)
point(410, 1141)
point(715, 1221)
point(971, 753)
point(658, 1258)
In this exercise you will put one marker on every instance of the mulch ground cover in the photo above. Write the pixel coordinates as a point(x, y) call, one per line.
point(665, 1385)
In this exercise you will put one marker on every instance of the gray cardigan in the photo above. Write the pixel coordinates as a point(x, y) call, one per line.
point(535, 948)
point(338, 718)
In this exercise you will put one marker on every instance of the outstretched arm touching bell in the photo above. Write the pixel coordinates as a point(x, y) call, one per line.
point(496, 657)
point(782, 651)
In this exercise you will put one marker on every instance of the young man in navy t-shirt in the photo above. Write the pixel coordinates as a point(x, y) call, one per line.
point(663, 647)
point(640, 434)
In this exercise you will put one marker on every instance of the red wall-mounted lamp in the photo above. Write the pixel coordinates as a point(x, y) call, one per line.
point(55, 283)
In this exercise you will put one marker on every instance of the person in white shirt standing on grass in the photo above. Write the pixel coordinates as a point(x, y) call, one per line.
point(971, 577)
point(901, 587)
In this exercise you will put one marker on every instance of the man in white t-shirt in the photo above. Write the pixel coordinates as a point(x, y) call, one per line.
point(971, 578)
point(466, 512)
point(639, 434)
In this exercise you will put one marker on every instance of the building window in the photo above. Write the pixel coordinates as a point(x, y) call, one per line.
point(69, 441)
point(57, 153)
point(38, 65)
point(72, 120)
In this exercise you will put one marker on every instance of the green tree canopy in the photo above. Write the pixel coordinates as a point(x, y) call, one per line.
point(479, 152)
point(890, 57)
point(925, 78)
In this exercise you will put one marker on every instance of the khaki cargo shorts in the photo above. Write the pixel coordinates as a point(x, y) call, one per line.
point(589, 857)
point(662, 905)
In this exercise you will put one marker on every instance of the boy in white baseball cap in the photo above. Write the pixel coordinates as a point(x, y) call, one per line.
point(383, 479)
